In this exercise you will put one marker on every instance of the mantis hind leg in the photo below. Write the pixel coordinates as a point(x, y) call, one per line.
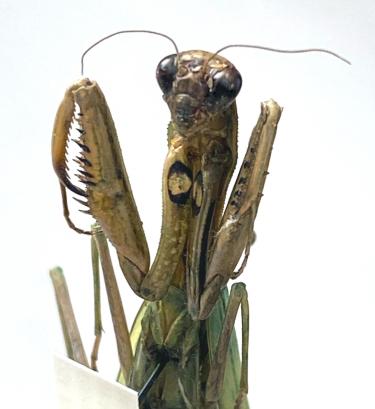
point(221, 355)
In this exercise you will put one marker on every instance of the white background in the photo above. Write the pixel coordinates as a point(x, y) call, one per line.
point(311, 274)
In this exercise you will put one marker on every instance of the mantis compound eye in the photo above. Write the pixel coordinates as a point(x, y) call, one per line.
point(166, 73)
point(225, 87)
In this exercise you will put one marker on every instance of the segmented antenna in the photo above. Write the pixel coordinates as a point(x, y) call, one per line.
point(279, 50)
point(124, 32)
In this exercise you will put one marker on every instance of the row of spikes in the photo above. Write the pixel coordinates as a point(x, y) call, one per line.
point(83, 175)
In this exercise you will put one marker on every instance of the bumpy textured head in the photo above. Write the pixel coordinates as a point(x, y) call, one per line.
point(197, 87)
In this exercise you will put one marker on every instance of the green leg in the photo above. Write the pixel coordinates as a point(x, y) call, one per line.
point(237, 297)
point(97, 303)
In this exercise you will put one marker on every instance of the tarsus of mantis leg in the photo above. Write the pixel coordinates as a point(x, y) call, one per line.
point(97, 304)
point(72, 337)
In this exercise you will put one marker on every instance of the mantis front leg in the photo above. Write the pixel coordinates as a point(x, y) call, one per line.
point(235, 234)
point(109, 195)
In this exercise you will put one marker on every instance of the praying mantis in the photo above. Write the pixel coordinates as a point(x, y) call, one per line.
point(182, 351)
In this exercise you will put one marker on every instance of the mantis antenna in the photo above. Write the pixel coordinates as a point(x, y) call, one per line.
point(125, 32)
point(279, 50)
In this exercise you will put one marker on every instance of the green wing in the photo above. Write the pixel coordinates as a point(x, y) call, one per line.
point(135, 334)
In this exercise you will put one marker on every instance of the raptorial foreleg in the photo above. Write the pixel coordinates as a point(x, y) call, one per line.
point(109, 195)
point(236, 232)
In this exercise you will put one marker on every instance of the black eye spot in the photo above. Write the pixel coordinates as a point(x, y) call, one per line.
point(226, 85)
point(166, 73)
point(179, 183)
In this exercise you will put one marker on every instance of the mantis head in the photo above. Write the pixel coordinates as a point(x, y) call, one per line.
point(197, 85)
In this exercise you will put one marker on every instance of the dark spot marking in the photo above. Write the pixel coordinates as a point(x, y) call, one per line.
point(242, 181)
point(118, 173)
point(179, 183)
point(146, 291)
point(246, 164)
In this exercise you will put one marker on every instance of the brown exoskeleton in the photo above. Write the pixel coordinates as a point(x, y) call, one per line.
point(184, 345)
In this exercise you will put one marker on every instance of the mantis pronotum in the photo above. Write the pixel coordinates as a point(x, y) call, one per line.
point(183, 347)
